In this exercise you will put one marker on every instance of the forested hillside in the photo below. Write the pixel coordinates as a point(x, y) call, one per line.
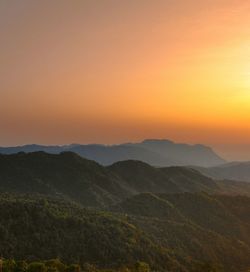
point(70, 176)
point(129, 215)
point(177, 232)
point(213, 228)
point(42, 228)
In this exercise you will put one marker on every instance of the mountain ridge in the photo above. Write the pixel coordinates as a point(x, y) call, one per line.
point(91, 184)
point(152, 151)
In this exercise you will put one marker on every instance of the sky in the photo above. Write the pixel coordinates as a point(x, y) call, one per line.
point(108, 71)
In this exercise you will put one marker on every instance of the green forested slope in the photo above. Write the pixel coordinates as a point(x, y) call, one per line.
point(213, 228)
point(161, 216)
point(37, 228)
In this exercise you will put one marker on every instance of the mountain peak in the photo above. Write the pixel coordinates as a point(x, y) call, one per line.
point(149, 141)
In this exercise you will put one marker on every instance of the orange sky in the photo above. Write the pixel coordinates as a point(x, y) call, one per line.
point(110, 71)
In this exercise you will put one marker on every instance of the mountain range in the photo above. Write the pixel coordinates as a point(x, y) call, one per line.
point(155, 152)
point(172, 218)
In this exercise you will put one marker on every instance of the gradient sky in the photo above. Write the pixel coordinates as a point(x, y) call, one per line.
point(111, 71)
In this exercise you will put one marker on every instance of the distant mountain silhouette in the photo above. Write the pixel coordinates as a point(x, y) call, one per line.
point(154, 152)
point(183, 154)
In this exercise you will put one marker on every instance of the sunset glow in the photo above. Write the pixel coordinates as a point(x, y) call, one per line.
point(115, 71)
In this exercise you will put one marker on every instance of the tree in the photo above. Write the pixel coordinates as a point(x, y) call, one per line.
point(206, 267)
point(9, 265)
point(73, 268)
point(142, 267)
point(21, 266)
point(37, 267)
point(55, 265)
point(89, 268)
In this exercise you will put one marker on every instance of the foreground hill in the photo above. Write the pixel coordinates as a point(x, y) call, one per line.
point(70, 176)
point(169, 232)
point(209, 228)
point(157, 215)
point(37, 228)
point(153, 152)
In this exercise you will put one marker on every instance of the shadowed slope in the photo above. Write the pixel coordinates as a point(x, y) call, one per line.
point(66, 174)
point(145, 178)
point(230, 171)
